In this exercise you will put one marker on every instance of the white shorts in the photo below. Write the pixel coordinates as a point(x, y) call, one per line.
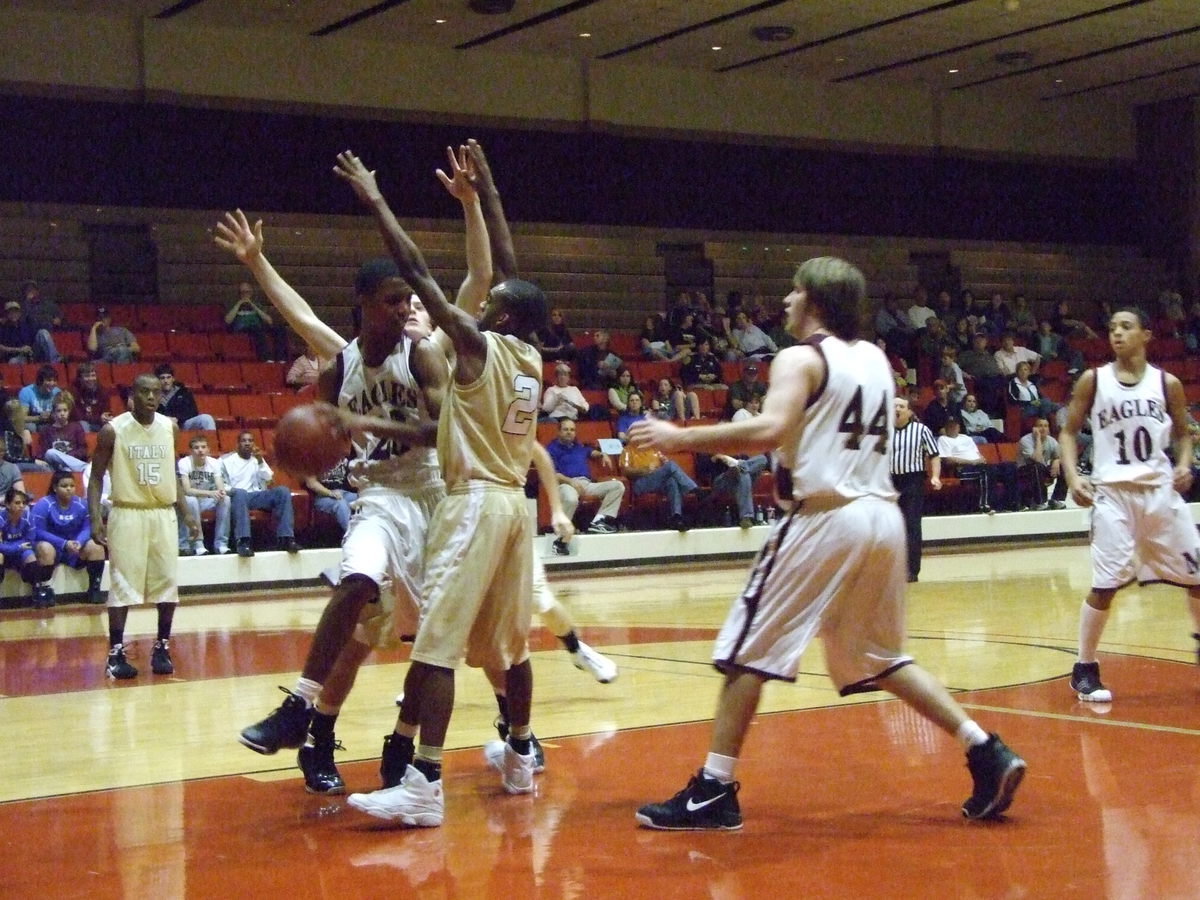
point(386, 543)
point(835, 572)
point(1144, 534)
point(143, 553)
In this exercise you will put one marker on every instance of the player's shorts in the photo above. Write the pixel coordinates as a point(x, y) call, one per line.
point(143, 553)
point(1144, 534)
point(386, 543)
point(478, 580)
point(66, 558)
point(835, 572)
point(17, 560)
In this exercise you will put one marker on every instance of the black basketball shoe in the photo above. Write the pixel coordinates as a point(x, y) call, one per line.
point(287, 726)
point(997, 773)
point(160, 659)
point(315, 759)
point(118, 666)
point(1085, 682)
point(704, 805)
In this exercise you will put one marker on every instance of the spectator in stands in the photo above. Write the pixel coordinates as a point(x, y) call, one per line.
point(39, 398)
point(22, 550)
point(744, 388)
point(203, 484)
point(109, 342)
point(10, 474)
point(963, 337)
point(179, 404)
point(619, 393)
point(304, 369)
point(672, 403)
point(332, 493)
point(61, 520)
point(752, 408)
point(898, 363)
point(664, 478)
point(1191, 329)
point(1041, 452)
point(988, 381)
point(703, 371)
point(998, 315)
point(248, 479)
point(1022, 321)
point(683, 306)
point(598, 365)
point(574, 474)
point(244, 316)
point(89, 399)
point(634, 411)
point(948, 311)
point(23, 342)
point(46, 317)
point(952, 374)
point(1067, 325)
point(996, 479)
point(920, 312)
point(748, 341)
point(684, 337)
point(931, 341)
point(563, 400)
point(735, 479)
point(894, 326)
point(1010, 355)
point(553, 340)
point(941, 408)
point(655, 339)
point(18, 441)
point(977, 424)
point(62, 443)
point(1054, 346)
point(1025, 394)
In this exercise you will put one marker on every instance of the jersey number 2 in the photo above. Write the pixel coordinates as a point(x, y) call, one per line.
point(522, 412)
point(853, 419)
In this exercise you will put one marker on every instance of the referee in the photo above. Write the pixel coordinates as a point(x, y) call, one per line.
point(912, 445)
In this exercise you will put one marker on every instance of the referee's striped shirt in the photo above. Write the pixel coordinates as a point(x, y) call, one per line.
point(910, 445)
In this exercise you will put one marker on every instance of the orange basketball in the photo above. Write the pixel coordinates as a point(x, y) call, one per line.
point(310, 440)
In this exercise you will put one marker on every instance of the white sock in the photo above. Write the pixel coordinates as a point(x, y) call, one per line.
point(1091, 626)
point(307, 689)
point(970, 735)
point(720, 767)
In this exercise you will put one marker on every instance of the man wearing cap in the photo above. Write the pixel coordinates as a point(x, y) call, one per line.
point(109, 342)
point(990, 383)
point(21, 341)
point(744, 388)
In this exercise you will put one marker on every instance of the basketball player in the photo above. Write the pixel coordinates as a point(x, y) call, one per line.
point(478, 574)
point(137, 449)
point(834, 565)
point(1141, 526)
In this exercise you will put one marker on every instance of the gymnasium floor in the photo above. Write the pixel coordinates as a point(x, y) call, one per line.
point(140, 789)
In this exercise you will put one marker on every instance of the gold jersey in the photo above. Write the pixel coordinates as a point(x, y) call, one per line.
point(487, 428)
point(143, 462)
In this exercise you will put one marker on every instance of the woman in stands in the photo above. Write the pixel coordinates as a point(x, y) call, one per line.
point(61, 522)
point(90, 398)
point(553, 340)
point(1025, 394)
point(619, 393)
point(670, 402)
point(22, 551)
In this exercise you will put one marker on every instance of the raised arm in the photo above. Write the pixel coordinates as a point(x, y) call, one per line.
point(504, 256)
point(470, 346)
point(461, 185)
point(246, 243)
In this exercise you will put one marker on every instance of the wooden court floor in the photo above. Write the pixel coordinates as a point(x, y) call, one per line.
point(140, 790)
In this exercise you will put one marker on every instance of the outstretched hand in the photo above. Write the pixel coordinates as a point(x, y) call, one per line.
point(461, 180)
point(483, 172)
point(654, 433)
point(350, 168)
point(236, 236)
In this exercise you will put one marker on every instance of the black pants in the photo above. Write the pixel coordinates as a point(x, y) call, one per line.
point(911, 488)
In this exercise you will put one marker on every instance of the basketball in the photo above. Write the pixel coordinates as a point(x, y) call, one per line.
point(310, 440)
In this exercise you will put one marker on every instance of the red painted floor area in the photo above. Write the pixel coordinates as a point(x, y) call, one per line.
point(858, 801)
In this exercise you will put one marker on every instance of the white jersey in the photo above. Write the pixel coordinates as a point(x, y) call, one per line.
point(843, 450)
point(1131, 429)
point(388, 391)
